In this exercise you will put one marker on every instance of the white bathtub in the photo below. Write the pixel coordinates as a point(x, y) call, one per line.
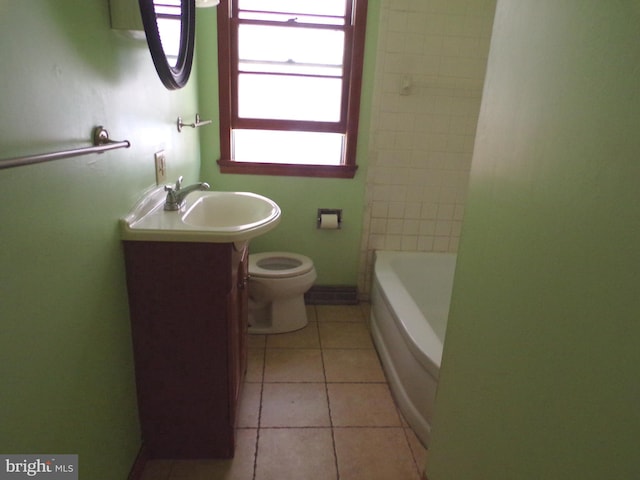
point(410, 299)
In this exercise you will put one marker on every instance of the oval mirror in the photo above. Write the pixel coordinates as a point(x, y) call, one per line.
point(169, 26)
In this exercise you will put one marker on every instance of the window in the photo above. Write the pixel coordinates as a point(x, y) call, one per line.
point(290, 81)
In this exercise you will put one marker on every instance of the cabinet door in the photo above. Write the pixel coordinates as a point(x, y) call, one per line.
point(178, 300)
point(238, 327)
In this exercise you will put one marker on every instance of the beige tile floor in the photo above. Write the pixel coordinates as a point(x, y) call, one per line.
point(315, 406)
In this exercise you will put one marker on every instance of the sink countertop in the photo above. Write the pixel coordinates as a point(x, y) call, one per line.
point(148, 221)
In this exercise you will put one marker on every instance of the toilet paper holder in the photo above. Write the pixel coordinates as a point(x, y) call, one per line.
point(329, 211)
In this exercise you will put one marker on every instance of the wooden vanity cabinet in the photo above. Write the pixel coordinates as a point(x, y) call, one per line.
point(188, 307)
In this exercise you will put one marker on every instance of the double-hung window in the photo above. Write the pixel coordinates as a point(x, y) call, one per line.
point(290, 74)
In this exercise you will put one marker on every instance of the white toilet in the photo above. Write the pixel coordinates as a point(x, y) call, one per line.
point(277, 283)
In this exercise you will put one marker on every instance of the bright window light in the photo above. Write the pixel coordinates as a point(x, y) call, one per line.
point(300, 148)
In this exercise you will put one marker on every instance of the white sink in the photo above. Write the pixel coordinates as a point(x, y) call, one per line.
point(230, 211)
point(209, 216)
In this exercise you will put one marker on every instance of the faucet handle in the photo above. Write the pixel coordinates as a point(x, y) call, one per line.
point(170, 189)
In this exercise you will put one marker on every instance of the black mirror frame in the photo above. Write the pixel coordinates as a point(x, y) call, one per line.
point(176, 77)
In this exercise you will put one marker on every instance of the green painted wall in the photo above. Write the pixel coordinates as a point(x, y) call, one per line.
point(335, 253)
point(540, 372)
point(65, 349)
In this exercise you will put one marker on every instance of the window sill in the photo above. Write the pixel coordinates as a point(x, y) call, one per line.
point(288, 169)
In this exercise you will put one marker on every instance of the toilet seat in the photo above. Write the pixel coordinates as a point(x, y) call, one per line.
point(278, 265)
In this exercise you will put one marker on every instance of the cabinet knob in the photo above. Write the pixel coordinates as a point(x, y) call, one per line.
point(242, 284)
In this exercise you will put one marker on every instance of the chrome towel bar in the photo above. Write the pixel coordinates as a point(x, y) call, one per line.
point(101, 143)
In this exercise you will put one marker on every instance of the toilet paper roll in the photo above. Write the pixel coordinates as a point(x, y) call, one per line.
point(329, 221)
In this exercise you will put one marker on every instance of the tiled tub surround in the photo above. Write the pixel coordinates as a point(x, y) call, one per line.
point(421, 142)
point(315, 406)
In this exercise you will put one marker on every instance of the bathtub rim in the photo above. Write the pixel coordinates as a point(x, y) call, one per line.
point(405, 401)
point(421, 339)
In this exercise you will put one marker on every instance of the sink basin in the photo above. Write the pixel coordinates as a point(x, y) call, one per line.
point(230, 211)
point(210, 216)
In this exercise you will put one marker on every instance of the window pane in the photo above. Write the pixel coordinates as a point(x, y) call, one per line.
point(289, 98)
point(288, 18)
point(289, 68)
point(317, 7)
point(169, 30)
point(167, 7)
point(169, 26)
point(307, 46)
point(300, 148)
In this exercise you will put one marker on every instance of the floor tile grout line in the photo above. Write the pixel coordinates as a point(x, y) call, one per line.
point(171, 465)
point(408, 442)
point(334, 427)
point(326, 392)
point(255, 455)
point(363, 382)
point(323, 350)
point(407, 434)
point(319, 348)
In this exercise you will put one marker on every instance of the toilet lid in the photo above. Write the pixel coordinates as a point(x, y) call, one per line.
point(278, 264)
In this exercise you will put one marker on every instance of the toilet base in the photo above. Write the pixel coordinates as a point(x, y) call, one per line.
point(281, 316)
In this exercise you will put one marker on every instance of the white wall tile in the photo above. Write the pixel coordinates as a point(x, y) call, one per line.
point(441, 244)
point(409, 243)
point(421, 144)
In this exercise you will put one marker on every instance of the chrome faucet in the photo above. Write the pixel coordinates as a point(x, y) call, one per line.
point(176, 195)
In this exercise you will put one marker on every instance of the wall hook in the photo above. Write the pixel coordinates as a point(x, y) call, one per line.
point(196, 124)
